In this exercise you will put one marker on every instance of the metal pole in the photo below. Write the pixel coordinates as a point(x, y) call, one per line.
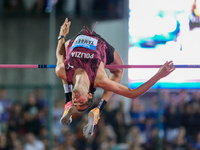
point(160, 110)
point(1, 6)
point(51, 73)
point(51, 57)
point(50, 106)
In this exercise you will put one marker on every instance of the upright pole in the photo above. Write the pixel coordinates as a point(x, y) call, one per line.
point(51, 72)
point(160, 127)
point(50, 106)
point(1, 7)
point(1, 110)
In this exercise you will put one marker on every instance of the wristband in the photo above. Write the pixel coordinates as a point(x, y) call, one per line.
point(60, 37)
point(66, 88)
point(70, 88)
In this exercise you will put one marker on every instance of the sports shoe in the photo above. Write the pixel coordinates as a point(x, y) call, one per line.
point(93, 118)
point(67, 115)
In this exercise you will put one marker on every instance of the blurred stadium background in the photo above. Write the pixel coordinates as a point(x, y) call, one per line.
point(31, 100)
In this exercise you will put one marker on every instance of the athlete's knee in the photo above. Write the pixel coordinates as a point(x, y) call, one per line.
point(117, 73)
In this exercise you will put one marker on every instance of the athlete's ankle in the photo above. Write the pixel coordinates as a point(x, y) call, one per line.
point(102, 105)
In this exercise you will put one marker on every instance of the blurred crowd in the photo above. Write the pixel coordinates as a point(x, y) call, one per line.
point(171, 122)
point(72, 8)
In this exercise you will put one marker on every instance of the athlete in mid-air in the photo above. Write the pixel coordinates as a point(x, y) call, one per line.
point(81, 62)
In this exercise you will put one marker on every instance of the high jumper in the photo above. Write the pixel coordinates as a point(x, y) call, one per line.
point(81, 62)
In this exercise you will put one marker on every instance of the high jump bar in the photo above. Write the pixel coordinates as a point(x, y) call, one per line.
point(107, 66)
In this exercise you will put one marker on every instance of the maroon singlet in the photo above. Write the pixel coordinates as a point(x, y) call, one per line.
point(87, 50)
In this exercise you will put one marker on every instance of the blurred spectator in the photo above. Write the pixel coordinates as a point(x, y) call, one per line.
point(42, 102)
point(13, 5)
point(56, 144)
point(153, 112)
point(40, 6)
point(7, 104)
point(172, 120)
point(37, 6)
point(113, 8)
point(84, 6)
point(183, 96)
point(32, 115)
point(32, 143)
point(15, 142)
point(120, 126)
point(79, 130)
point(64, 131)
point(109, 114)
point(121, 146)
point(70, 141)
point(101, 8)
point(180, 142)
point(67, 139)
point(138, 114)
point(43, 136)
point(1, 111)
point(196, 143)
point(165, 96)
point(195, 99)
point(73, 8)
point(190, 121)
point(91, 144)
point(4, 142)
point(150, 126)
point(56, 115)
point(108, 138)
point(108, 8)
point(133, 136)
point(28, 5)
point(16, 120)
point(111, 133)
point(153, 138)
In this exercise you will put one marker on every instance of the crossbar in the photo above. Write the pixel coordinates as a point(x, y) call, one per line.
point(107, 66)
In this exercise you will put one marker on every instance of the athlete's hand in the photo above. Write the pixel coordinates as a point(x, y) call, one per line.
point(166, 69)
point(64, 29)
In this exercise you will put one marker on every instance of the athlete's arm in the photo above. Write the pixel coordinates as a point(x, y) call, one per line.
point(60, 51)
point(110, 85)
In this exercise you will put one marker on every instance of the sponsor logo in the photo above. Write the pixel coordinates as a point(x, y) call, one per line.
point(82, 55)
point(69, 66)
point(85, 42)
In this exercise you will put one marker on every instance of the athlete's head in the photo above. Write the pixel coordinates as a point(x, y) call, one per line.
point(81, 99)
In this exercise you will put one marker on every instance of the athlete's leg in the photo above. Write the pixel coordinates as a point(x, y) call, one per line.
point(115, 74)
point(94, 114)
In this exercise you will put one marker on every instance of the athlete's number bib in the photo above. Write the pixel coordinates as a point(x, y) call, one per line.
point(85, 42)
